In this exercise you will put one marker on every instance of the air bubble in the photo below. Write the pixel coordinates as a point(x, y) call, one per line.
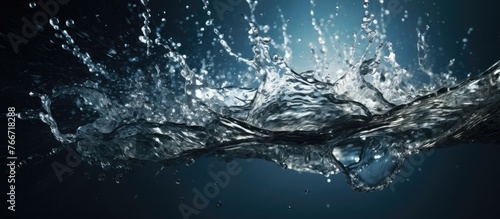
point(32, 5)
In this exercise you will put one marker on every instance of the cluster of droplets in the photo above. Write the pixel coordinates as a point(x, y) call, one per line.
point(70, 46)
point(53, 152)
point(350, 85)
point(271, 68)
point(144, 38)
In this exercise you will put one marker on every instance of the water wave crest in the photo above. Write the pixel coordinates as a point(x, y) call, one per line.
point(357, 113)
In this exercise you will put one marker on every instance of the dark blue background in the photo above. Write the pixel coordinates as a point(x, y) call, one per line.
point(453, 182)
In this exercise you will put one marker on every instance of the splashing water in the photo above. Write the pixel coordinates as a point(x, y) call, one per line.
point(358, 112)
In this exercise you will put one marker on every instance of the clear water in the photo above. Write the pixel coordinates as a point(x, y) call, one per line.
point(357, 111)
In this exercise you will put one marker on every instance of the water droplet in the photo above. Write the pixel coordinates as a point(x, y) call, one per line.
point(366, 4)
point(178, 181)
point(54, 151)
point(320, 86)
point(209, 22)
point(70, 23)
point(218, 204)
point(266, 39)
point(118, 178)
point(276, 57)
point(32, 5)
point(266, 28)
point(190, 162)
point(470, 30)
point(22, 163)
point(112, 51)
point(308, 156)
point(54, 21)
point(101, 177)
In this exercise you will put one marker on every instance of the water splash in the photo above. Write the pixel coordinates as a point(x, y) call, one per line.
point(357, 112)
